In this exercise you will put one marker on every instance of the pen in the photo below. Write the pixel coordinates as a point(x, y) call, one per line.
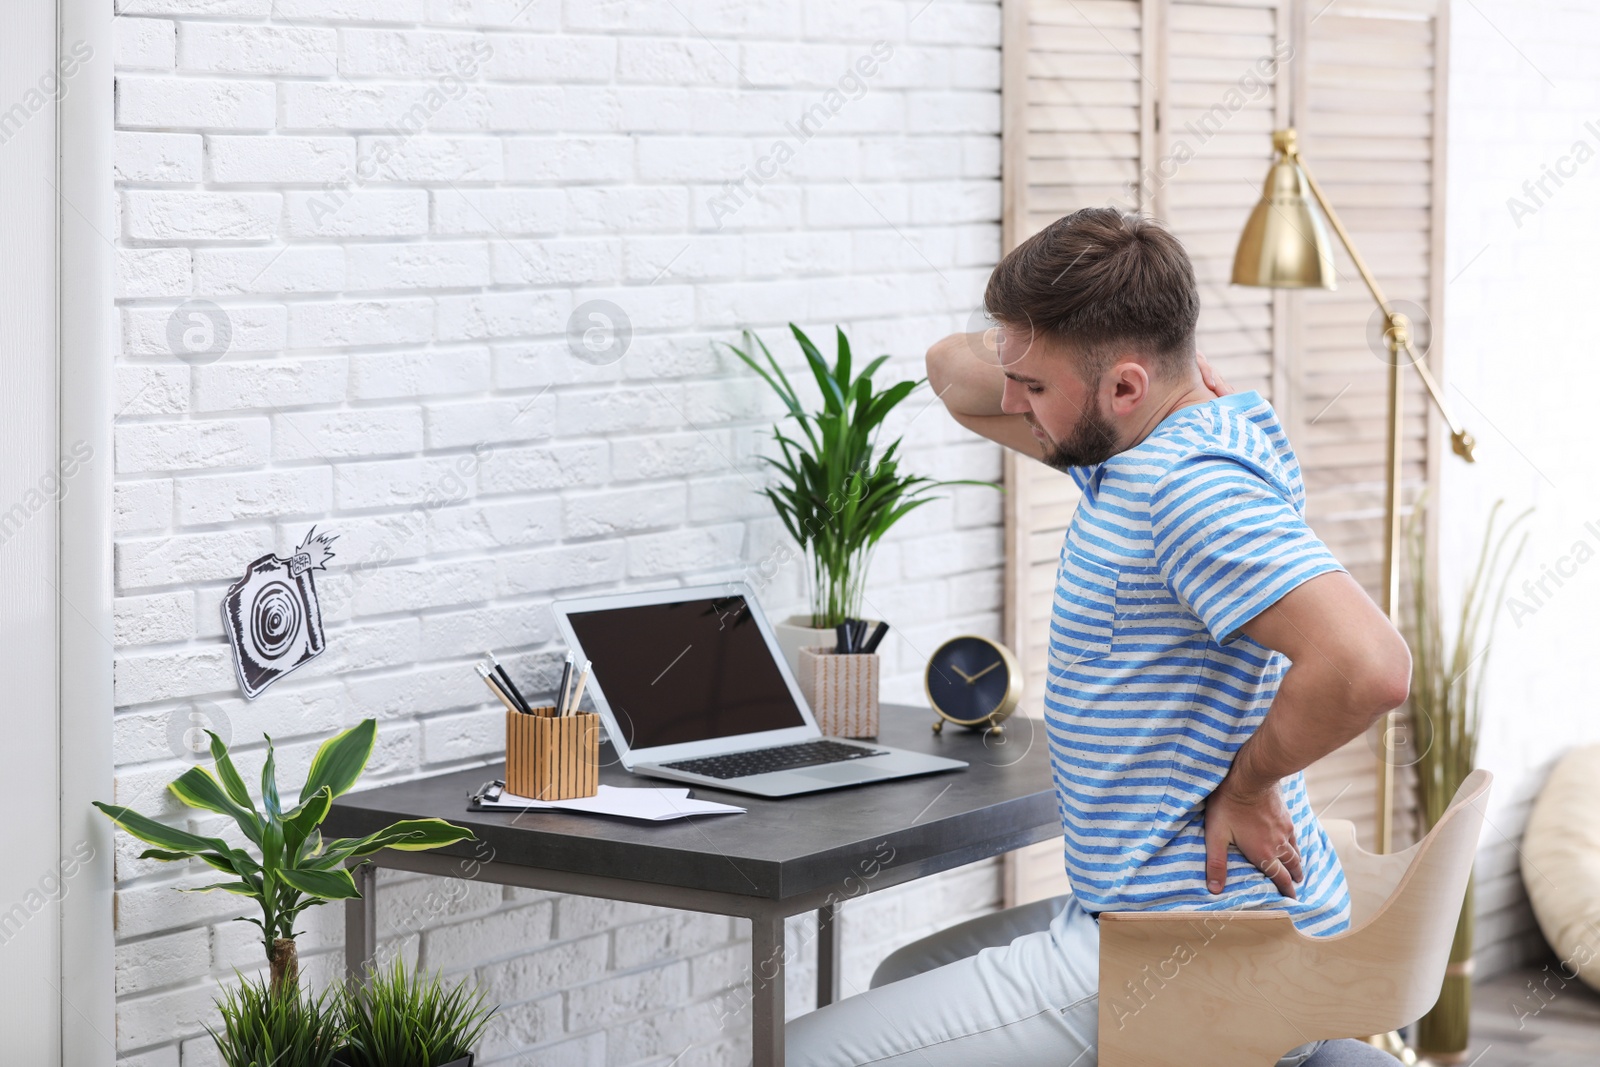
point(577, 693)
point(509, 686)
point(561, 690)
point(858, 642)
point(841, 641)
point(877, 636)
point(488, 680)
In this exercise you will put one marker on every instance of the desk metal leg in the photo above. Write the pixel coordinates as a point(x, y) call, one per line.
point(827, 954)
point(766, 989)
point(361, 923)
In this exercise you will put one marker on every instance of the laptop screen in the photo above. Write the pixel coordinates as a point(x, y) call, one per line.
point(694, 670)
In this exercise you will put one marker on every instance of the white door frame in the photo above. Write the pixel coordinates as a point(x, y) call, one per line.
point(87, 336)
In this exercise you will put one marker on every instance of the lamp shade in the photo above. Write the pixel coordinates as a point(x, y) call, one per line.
point(1284, 244)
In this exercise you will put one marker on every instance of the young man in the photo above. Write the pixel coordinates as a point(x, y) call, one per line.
point(1205, 647)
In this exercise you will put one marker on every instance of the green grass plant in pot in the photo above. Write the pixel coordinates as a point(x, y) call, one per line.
point(400, 1018)
point(290, 867)
point(837, 492)
point(272, 1026)
point(1444, 715)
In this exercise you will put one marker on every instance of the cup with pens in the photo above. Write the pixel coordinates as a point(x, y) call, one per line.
point(552, 750)
point(841, 683)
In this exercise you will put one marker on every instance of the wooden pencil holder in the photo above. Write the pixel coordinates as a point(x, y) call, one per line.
point(552, 757)
point(842, 689)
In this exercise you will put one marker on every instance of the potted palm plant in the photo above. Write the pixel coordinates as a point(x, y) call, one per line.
point(1445, 712)
point(837, 492)
point(398, 1018)
point(290, 867)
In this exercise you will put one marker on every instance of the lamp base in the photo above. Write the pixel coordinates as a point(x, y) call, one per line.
point(1395, 1045)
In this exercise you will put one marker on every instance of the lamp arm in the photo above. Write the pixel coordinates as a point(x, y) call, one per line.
point(1462, 441)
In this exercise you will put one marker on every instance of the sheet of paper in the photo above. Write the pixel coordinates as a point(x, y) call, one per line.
point(650, 805)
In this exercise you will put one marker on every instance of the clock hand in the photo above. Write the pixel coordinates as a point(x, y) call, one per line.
point(983, 672)
point(961, 672)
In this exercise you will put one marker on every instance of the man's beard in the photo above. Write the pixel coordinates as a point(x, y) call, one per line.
point(1093, 440)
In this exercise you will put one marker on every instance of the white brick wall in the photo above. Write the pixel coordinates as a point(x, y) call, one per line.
point(1520, 374)
point(397, 206)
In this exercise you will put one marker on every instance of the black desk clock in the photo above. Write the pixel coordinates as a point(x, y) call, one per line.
point(973, 682)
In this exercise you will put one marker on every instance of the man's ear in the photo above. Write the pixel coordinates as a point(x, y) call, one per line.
point(1125, 385)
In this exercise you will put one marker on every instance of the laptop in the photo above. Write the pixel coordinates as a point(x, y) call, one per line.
point(692, 687)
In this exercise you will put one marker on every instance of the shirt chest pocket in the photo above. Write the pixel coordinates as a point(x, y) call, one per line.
point(1083, 615)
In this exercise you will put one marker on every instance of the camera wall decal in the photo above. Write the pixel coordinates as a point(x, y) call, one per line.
point(272, 617)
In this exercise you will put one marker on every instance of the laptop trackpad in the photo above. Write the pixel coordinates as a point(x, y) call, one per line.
point(857, 770)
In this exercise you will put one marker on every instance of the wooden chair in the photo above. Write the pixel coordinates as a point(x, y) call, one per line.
point(1241, 988)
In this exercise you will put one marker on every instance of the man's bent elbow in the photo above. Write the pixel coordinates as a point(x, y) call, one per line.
point(938, 363)
point(1386, 677)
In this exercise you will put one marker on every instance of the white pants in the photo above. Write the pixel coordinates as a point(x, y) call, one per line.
point(1018, 988)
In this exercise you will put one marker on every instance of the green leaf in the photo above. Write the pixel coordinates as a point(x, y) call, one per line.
point(790, 397)
point(162, 836)
point(832, 396)
point(842, 365)
point(326, 885)
point(309, 847)
point(302, 821)
point(272, 848)
point(242, 888)
point(269, 785)
point(232, 781)
point(340, 760)
point(408, 835)
point(198, 789)
point(169, 857)
point(419, 835)
point(871, 369)
point(231, 862)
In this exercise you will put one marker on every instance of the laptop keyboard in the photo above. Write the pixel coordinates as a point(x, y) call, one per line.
point(767, 760)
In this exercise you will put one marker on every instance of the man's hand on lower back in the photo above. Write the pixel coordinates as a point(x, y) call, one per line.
point(1258, 822)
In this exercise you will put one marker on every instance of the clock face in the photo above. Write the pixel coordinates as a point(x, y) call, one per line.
point(967, 679)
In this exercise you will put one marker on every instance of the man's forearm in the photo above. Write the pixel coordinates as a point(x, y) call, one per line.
point(1301, 727)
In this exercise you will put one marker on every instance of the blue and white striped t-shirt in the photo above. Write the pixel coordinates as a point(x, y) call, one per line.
point(1151, 687)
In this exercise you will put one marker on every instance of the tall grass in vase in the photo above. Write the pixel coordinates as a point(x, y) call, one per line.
point(1445, 712)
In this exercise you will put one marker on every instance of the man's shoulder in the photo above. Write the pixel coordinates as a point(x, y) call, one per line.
point(1240, 429)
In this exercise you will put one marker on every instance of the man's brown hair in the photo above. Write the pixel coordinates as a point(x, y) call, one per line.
point(1106, 282)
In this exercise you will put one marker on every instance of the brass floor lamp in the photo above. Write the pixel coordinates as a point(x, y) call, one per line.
point(1284, 246)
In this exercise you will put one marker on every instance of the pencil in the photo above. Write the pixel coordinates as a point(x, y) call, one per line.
point(577, 692)
point(508, 685)
point(488, 680)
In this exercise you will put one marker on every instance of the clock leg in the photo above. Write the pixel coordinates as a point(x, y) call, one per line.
point(995, 727)
point(938, 726)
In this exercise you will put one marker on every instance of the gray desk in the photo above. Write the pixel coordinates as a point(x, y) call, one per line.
point(782, 858)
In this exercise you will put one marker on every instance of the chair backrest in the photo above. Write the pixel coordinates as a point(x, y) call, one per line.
point(1407, 903)
point(1239, 988)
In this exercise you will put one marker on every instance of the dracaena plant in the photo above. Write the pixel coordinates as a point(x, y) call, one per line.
point(838, 494)
point(292, 868)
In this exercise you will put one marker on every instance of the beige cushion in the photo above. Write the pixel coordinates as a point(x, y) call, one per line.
point(1561, 861)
